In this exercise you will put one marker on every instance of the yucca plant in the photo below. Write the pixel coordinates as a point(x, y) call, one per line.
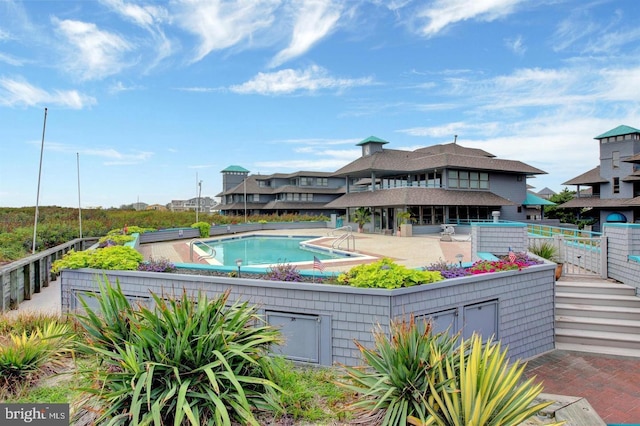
point(23, 355)
point(395, 381)
point(487, 392)
point(188, 361)
point(546, 249)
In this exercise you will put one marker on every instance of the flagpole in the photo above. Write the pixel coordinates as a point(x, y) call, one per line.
point(79, 205)
point(35, 224)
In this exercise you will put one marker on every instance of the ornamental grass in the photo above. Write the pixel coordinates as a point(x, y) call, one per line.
point(188, 360)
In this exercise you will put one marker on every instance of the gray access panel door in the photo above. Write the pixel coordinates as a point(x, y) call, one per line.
point(481, 318)
point(445, 320)
point(303, 336)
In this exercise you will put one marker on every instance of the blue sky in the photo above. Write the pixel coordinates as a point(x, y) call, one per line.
point(152, 96)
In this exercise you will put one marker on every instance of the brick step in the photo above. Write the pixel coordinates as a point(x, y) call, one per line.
point(612, 325)
point(595, 287)
point(598, 338)
point(598, 299)
point(597, 311)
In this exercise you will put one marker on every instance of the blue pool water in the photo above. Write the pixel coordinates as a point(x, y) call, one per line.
point(265, 250)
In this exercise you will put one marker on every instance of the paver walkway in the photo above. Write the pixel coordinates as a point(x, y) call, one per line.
point(610, 384)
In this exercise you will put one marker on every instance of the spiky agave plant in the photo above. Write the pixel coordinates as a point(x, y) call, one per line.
point(395, 378)
point(486, 389)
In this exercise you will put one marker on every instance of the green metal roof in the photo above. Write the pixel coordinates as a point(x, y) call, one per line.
point(534, 200)
point(618, 131)
point(371, 139)
point(236, 169)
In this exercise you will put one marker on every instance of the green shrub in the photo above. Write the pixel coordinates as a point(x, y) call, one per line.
point(189, 360)
point(396, 376)
point(128, 230)
point(72, 260)
point(115, 240)
point(386, 274)
point(111, 258)
point(203, 227)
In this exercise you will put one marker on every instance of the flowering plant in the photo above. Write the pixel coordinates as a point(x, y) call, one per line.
point(504, 263)
point(157, 265)
point(448, 270)
point(487, 266)
point(522, 259)
point(284, 272)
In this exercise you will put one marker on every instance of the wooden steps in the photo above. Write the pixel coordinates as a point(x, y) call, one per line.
point(597, 316)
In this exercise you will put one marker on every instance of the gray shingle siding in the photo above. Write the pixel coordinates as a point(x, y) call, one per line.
point(354, 313)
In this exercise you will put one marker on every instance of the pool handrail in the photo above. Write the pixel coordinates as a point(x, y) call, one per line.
point(346, 228)
point(347, 236)
point(212, 251)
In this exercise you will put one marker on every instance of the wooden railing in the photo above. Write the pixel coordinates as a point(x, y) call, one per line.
point(19, 280)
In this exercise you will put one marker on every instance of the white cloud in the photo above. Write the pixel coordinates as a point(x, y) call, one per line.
point(620, 85)
point(199, 89)
point(11, 60)
point(92, 53)
point(221, 25)
point(112, 156)
point(18, 92)
point(150, 18)
point(442, 13)
point(4, 35)
point(306, 164)
point(144, 16)
point(451, 129)
point(516, 45)
point(613, 41)
point(315, 19)
point(318, 153)
point(573, 29)
point(311, 143)
point(119, 87)
point(287, 81)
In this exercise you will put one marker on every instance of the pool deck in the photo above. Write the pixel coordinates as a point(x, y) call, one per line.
point(412, 252)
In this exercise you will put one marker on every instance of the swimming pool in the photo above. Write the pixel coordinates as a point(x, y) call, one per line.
point(263, 250)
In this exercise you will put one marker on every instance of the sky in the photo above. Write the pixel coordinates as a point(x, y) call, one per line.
point(146, 99)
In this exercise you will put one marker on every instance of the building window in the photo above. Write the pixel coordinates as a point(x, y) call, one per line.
point(616, 185)
point(467, 180)
point(464, 179)
point(322, 181)
point(452, 181)
point(615, 159)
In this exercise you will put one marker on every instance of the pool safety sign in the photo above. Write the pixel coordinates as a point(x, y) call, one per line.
point(34, 414)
